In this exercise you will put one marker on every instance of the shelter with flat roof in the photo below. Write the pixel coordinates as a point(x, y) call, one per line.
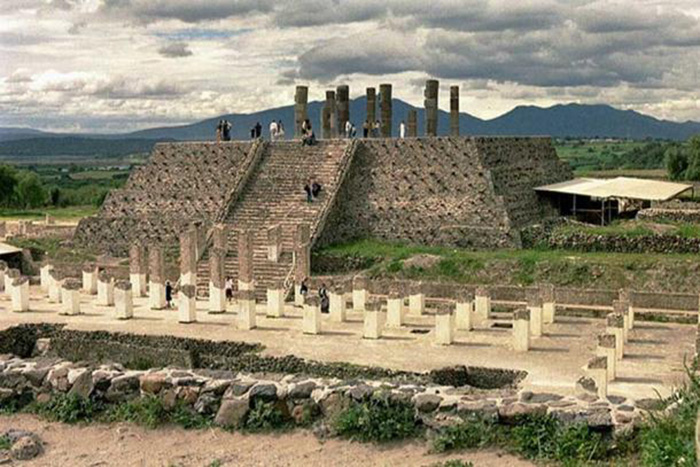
point(603, 199)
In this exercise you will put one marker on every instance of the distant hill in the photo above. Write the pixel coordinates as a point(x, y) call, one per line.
point(570, 120)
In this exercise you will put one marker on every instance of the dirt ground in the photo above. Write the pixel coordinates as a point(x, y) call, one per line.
point(130, 445)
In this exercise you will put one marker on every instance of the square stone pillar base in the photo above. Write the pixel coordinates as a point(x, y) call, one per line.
point(482, 309)
point(246, 315)
point(373, 324)
point(463, 316)
point(626, 326)
point(105, 293)
point(246, 285)
point(54, 291)
point(619, 341)
point(45, 277)
point(188, 278)
point(394, 312)
point(535, 321)
point(275, 303)
point(359, 300)
point(444, 328)
point(630, 324)
point(311, 323)
point(156, 296)
point(90, 282)
point(298, 297)
point(186, 309)
point(138, 284)
point(20, 297)
point(597, 371)
point(548, 311)
point(3, 280)
point(123, 304)
point(416, 304)
point(217, 299)
point(521, 335)
point(71, 302)
point(609, 354)
point(336, 307)
point(273, 253)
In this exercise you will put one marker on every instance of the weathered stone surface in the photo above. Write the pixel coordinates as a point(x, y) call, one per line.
point(152, 383)
point(302, 390)
point(232, 413)
point(83, 385)
point(26, 448)
point(122, 388)
point(511, 412)
point(427, 402)
point(263, 392)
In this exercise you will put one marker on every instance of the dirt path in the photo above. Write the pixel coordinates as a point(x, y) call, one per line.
point(129, 445)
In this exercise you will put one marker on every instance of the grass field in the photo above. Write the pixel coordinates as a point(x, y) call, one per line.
point(98, 174)
point(68, 214)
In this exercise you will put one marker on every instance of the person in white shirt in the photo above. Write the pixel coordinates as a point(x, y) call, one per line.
point(348, 129)
point(273, 130)
point(402, 130)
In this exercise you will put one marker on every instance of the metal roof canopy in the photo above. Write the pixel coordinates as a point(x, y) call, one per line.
point(620, 187)
point(6, 249)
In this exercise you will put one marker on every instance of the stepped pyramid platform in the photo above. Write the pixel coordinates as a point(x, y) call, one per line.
point(457, 191)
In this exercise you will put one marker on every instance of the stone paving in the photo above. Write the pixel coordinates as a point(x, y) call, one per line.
point(653, 362)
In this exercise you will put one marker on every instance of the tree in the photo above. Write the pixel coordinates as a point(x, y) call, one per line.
point(676, 162)
point(30, 191)
point(55, 197)
point(693, 171)
point(8, 182)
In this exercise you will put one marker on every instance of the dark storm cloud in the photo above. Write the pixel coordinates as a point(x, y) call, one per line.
point(175, 50)
point(185, 10)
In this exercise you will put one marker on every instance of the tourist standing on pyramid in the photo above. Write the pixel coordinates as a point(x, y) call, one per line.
point(402, 130)
point(227, 130)
point(273, 130)
point(219, 130)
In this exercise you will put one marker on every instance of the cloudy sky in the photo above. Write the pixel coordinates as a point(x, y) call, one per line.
point(119, 65)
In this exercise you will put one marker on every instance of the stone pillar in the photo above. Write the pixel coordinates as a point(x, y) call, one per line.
point(343, 103)
point(138, 270)
point(622, 308)
point(217, 281)
point(220, 237)
point(482, 306)
point(70, 297)
point(412, 123)
point(246, 310)
point(606, 348)
point(156, 279)
point(123, 300)
point(336, 298)
point(521, 330)
point(44, 276)
point(548, 303)
point(534, 306)
point(55, 286)
point(394, 310)
point(444, 326)
point(371, 106)
point(275, 300)
point(274, 243)
point(454, 110)
point(374, 320)
point(311, 321)
point(105, 289)
point(188, 258)
point(416, 299)
point(20, 294)
point(464, 310)
point(302, 270)
point(246, 277)
point(385, 109)
point(333, 111)
point(360, 293)
point(3, 229)
point(432, 87)
point(626, 295)
point(12, 274)
point(90, 279)
point(3, 272)
point(325, 122)
point(615, 326)
point(301, 98)
point(187, 306)
point(597, 369)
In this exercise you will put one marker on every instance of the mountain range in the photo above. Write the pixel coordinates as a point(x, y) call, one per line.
point(566, 120)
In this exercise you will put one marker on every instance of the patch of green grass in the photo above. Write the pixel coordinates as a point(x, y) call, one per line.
point(53, 247)
point(67, 214)
point(5, 443)
point(67, 408)
point(473, 433)
point(266, 416)
point(379, 419)
point(454, 463)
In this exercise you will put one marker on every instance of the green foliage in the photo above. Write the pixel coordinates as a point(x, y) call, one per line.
point(30, 191)
point(185, 416)
point(473, 433)
point(676, 162)
point(148, 411)
point(67, 408)
point(379, 419)
point(265, 416)
point(454, 463)
point(5, 443)
point(8, 182)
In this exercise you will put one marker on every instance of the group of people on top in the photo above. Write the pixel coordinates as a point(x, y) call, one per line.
point(223, 131)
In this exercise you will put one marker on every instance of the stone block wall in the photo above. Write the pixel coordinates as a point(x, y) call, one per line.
point(181, 184)
point(468, 192)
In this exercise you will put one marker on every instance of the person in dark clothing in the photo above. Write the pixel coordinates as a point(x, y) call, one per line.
point(325, 301)
point(258, 130)
point(315, 189)
point(308, 138)
point(308, 188)
point(168, 294)
point(252, 133)
point(304, 288)
point(227, 130)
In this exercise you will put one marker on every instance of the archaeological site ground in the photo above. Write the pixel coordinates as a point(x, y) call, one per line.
point(442, 300)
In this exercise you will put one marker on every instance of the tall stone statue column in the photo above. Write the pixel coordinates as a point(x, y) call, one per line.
point(431, 107)
point(343, 103)
point(371, 106)
point(454, 110)
point(188, 258)
point(325, 122)
point(385, 103)
point(412, 125)
point(301, 98)
point(138, 270)
point(332, 114)
point(156, 284)
point(246, 277)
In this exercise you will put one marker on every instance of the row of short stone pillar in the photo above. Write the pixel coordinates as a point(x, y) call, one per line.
point(529, 322)
point(602, 369)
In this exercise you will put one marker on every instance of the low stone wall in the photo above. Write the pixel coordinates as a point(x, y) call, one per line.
point(228, 397)
point(691, 216)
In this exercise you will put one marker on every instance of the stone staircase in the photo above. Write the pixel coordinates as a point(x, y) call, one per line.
point(275, 196)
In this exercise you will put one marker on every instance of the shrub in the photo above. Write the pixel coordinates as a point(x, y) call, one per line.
point(67, 408)
point(185, 416)
point(148, 411)
point(378, 419)
point(5, 443)
point(266, 416)
point(471, 434)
